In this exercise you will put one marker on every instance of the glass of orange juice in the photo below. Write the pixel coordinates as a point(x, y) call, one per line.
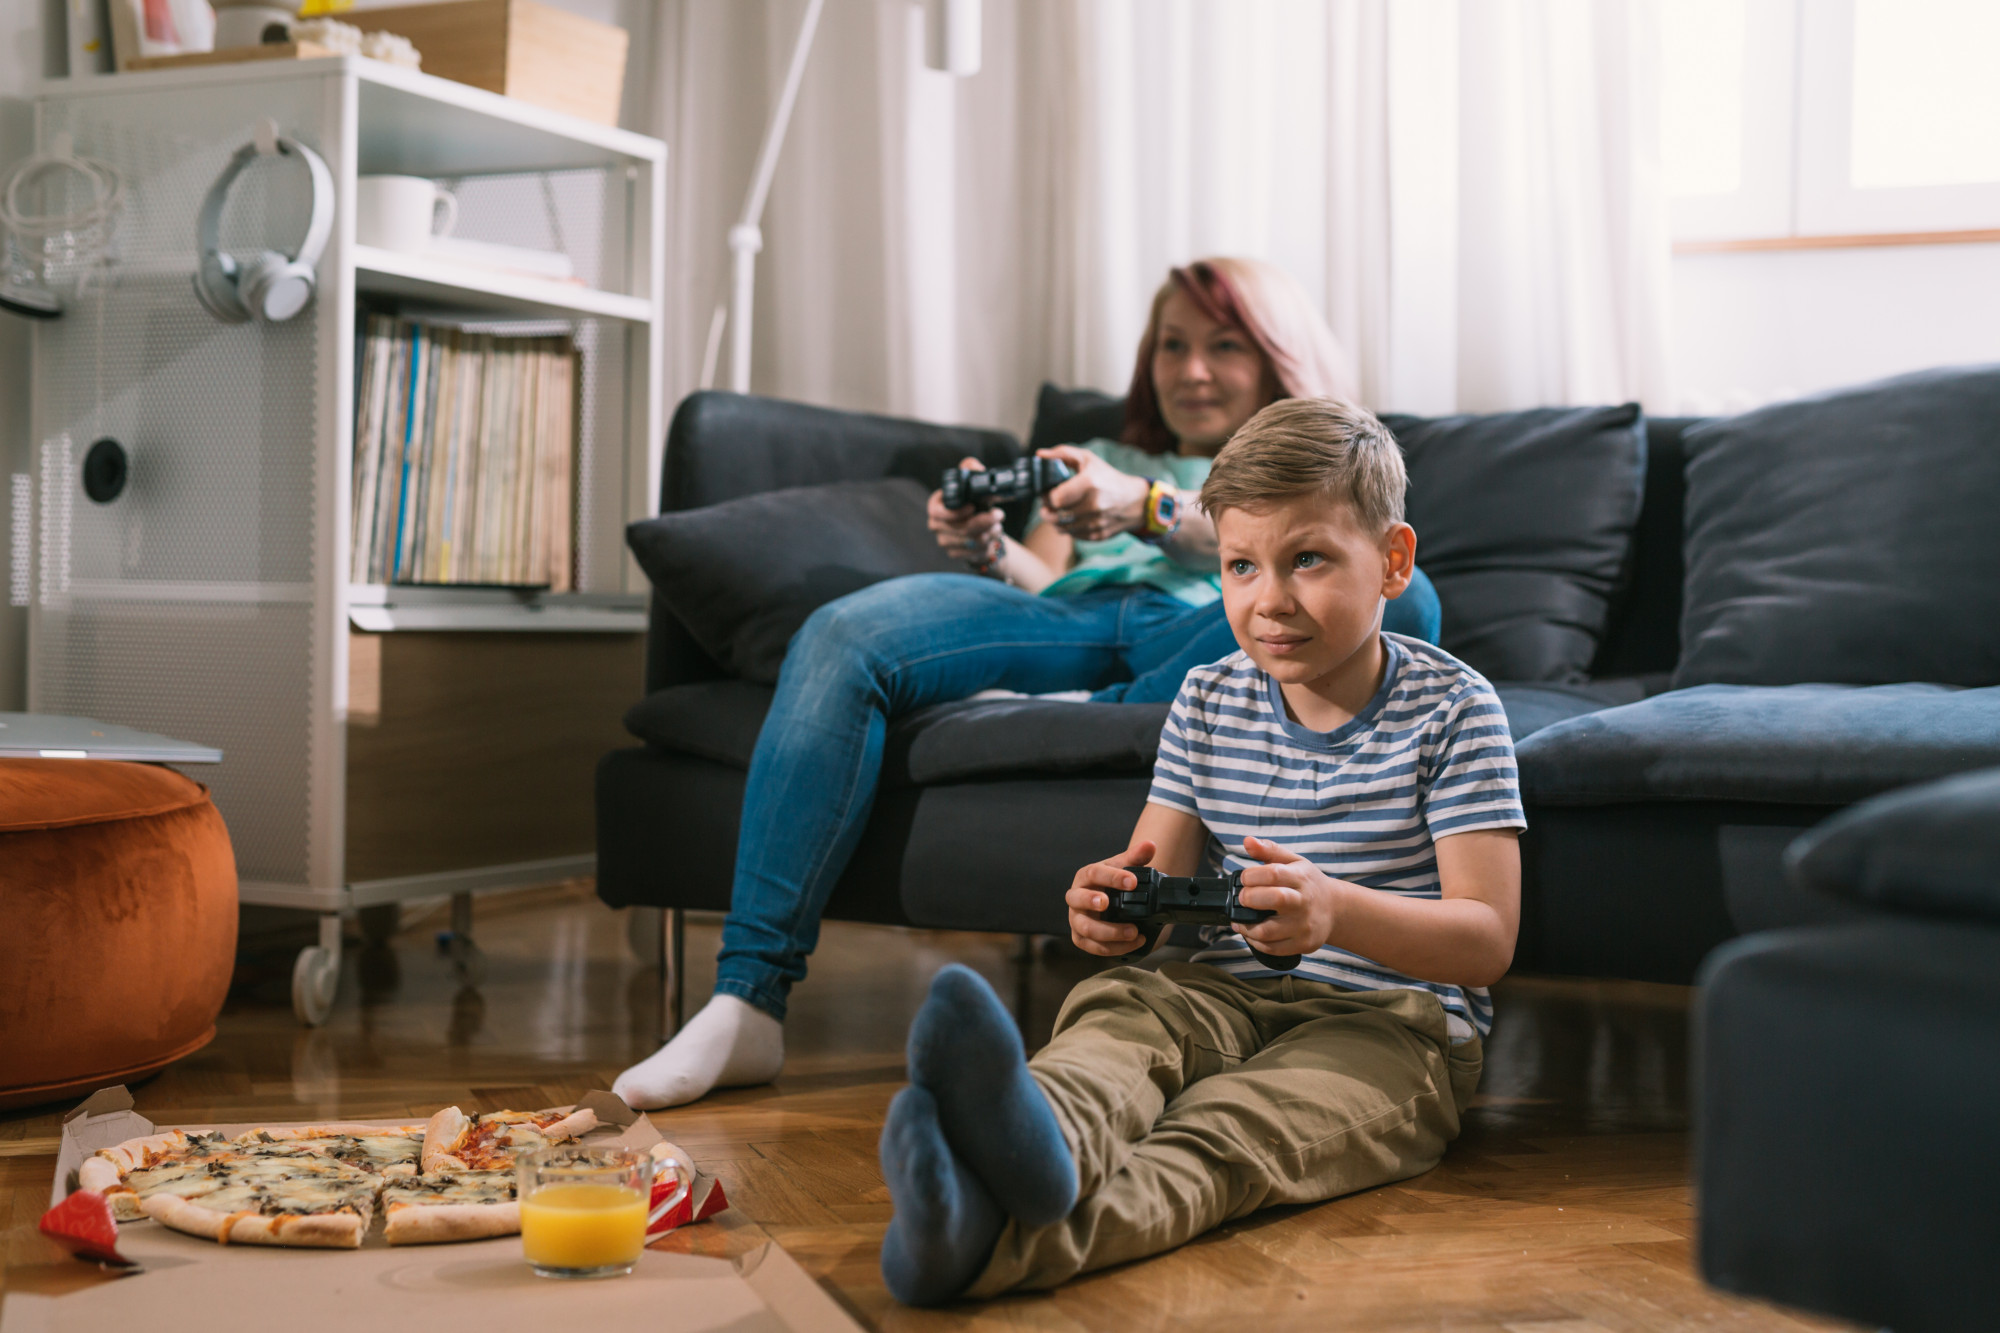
point(583, 1210)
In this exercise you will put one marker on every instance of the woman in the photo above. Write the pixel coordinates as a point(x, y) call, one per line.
point(1113, 595)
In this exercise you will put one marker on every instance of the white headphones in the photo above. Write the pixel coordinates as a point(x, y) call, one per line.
point(272, 287)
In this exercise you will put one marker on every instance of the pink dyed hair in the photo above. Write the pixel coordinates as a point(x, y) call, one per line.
point(1272, 310)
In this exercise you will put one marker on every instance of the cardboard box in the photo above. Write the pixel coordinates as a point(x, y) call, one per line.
point(477, 1286)
point(532, 51)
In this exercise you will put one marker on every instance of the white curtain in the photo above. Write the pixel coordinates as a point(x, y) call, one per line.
point(1470, 188)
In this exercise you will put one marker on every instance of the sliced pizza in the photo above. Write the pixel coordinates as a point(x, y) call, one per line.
point(456, 1142)
point(465, 1206)
point(321, 1185)
point(388, 1151)
point(264, 1200)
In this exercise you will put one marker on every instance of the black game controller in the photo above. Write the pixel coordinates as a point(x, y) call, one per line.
point(1205, 900)
point(1002, 485)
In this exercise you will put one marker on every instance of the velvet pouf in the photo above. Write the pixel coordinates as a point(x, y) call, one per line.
point(117, 923)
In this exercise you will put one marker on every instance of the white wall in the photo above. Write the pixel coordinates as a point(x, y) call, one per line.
point(1756, 327)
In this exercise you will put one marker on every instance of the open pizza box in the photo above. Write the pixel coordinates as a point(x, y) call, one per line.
point(478, 1286)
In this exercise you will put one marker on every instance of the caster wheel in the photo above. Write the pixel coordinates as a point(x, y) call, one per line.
point(642, 934)
point(315, 979)
point(380, 922)
point(468, 962)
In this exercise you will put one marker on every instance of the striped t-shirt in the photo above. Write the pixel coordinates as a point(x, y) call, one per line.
point(1429, 756)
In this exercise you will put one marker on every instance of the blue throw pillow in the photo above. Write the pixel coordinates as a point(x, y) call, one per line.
point(1852, 537)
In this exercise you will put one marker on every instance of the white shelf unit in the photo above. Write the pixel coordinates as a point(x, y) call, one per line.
point(213, 599)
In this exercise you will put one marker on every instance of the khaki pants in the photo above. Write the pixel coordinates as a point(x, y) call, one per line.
point(1191, 1097)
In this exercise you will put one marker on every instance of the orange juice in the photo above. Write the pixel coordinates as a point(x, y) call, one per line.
point(583, 1226)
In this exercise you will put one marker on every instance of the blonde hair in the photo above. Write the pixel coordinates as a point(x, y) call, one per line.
point(1311, 446)
point(1273, 311)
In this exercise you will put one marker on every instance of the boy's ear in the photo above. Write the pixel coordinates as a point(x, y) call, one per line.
point(1399, 556)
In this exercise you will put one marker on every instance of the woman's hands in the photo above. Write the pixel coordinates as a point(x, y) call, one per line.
point(1099, 501)
point(1086, 898)
point(973, 535)
point(1305, 898)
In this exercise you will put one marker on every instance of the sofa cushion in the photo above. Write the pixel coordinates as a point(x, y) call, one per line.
point(985, 738)
point(1803, 744)
point(710, 719)
point(1524, 521)
point(743, 575)
point(1533, 705)
point(1934, 847)
point(1074, 416)
point(1848, 537)
point(1524, 524)
point(720, 719)
point(988, 737)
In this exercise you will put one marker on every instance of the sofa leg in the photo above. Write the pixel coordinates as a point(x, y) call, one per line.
point(673, 974)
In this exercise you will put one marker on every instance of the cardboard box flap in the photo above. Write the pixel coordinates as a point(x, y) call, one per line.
point(104, 1119)
point(790, 1293)
point(609, 1109)
point(103, 1102)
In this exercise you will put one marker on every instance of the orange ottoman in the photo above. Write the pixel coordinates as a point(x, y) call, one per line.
point(117, 923)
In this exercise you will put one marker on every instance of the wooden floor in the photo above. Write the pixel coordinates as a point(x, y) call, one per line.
point(1564, 1208)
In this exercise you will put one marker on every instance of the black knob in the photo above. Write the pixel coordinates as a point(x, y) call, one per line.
point(105, 469)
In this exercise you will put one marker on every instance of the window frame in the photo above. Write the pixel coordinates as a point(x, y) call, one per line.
point(1798, 119)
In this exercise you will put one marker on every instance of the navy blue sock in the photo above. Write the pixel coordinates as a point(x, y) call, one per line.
point(965, 1051)
point(946, 1224)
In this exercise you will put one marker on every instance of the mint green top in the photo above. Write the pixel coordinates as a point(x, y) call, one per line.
point(1125, 559)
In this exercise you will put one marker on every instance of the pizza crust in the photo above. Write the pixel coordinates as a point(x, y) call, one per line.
point(329, 1231)
point(446, 1130)
point(572, 1126)
point(428, 1224)
point(97, 1173)
point(133, 1153)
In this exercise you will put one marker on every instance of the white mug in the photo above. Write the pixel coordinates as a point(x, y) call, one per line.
point(400, 212)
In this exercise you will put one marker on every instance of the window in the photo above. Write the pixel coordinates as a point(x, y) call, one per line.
point(1808, 118)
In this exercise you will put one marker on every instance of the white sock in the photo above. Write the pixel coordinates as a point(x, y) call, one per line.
point(729, 1044)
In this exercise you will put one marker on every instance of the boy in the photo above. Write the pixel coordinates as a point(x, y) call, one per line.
point(1365, 785)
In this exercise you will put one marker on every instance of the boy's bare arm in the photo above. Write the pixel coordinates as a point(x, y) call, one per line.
point(1465, 938)
point(1170, 840)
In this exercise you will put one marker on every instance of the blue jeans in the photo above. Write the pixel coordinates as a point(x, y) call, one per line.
point(895, 647)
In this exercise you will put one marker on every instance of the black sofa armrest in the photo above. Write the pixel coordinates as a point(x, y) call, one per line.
point(1933, 848)
point(722, 446)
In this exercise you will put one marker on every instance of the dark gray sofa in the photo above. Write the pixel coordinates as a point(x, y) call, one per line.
point(1847, 1074)
point(1658, 817)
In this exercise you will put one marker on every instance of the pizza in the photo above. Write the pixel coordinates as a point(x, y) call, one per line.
point(321, 1186)
point(455, 1141)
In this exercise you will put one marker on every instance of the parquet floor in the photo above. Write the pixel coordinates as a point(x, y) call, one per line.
point(1564, 1208)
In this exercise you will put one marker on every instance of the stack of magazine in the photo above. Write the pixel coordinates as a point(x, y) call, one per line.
point(464, 457)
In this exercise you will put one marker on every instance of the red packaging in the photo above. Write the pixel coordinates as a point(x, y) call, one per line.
point(83, 1225)
point(681, 1194)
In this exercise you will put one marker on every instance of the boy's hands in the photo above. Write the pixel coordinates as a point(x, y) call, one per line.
point(1304, 897)
point(1086, 898)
